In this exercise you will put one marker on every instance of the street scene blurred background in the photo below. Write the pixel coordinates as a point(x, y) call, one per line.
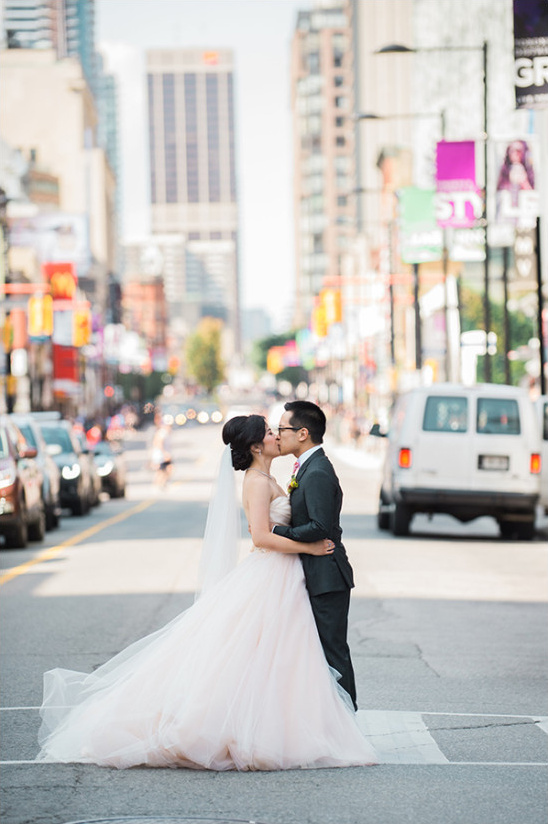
point(209, 208)
point(148, 258)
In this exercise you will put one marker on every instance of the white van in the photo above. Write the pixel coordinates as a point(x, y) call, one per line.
point(542, 410)
point(463, 451)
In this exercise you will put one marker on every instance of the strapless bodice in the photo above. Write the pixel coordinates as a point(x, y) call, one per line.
point(280, 510)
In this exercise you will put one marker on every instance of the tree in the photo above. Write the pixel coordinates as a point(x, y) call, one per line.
point(203, 354)
point(521, 331)
point(293, 374)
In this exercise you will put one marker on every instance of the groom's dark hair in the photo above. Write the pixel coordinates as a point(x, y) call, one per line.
point(309, 415)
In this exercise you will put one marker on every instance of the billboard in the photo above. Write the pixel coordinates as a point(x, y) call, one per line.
point(531, 53)
point(517, 198)
point(459, 199)
point(421, 237)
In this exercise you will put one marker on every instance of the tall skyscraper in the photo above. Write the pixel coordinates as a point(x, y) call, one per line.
point(68, 26)
point(193, 175)
point(325, 176)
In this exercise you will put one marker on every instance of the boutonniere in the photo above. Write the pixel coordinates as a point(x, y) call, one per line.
point(293, 484)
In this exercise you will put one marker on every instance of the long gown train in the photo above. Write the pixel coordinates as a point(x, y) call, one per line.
point(237, 681)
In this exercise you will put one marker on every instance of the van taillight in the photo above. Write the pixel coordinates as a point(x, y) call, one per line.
point(535, 463)
point(404, 459)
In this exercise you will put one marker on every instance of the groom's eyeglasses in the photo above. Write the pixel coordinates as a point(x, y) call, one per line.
point(279, 429)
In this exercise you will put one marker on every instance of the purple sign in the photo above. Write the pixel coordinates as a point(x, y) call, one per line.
point(459, 201)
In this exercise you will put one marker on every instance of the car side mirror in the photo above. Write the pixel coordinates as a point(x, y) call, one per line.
point(376, 431)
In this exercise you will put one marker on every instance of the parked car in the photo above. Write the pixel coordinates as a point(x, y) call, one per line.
point(51, 474)
point(76, 480)
point(22, 515)
point(87, 453)
point(111, 468)
point(542, 410)
point(462, 451)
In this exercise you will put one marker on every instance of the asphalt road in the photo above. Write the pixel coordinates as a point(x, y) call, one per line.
point(448, 635)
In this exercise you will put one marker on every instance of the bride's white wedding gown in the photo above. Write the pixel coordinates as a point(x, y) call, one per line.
point(238, 681)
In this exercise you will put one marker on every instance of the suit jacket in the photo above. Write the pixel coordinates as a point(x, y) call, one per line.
point(315, 514)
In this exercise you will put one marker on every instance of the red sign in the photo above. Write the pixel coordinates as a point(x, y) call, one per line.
point(62, 278)
point(65, 371)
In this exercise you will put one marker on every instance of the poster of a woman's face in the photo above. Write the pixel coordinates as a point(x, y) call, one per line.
point(516, 199)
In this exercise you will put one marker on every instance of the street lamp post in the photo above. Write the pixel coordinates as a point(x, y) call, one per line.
point(398, 48)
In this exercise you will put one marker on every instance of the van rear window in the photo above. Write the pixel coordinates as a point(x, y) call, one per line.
point(498, 416)
point(445, 414)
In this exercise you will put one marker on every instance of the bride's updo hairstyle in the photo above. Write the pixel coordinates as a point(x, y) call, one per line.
point(242, 432)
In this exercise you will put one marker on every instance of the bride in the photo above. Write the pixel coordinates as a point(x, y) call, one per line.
point(239, 680)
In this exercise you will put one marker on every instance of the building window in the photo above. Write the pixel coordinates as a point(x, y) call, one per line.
point(215, 235)
point(340, 141)
point(342, 200)
point(317, 243)
point(194, 235)
point(231, 137)
point(170, 138)
point(313, 62)
point(339, 80)
point(341, 102)
point(339, 122)
point(191, 123)
point(212, 102)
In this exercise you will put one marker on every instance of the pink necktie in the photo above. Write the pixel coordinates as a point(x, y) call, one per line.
point(296, 466)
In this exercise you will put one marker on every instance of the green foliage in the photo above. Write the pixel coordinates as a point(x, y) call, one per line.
point(293, 374)
point(203, 354)
point(261, 347)
point(521, 331)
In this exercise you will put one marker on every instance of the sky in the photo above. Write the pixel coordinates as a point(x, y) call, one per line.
point(259, 32)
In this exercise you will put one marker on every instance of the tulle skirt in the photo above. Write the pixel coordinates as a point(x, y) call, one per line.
point(238, 681)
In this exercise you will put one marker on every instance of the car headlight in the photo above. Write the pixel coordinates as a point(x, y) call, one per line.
point(217, 416)
point(7, 477)
point(105, 469)
point(69, 473)
point(203, 417)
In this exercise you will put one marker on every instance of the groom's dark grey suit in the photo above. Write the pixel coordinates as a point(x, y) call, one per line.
point(315, 514)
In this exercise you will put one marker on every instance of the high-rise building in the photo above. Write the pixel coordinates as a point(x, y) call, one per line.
point(67, 26)
point(193, 174)
point(322, 80)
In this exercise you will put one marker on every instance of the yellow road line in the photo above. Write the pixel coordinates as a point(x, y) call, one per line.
point(76, 539)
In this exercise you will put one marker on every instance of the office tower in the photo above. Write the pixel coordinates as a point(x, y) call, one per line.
point(193, 175)
point(67, 26)
point(323, 104)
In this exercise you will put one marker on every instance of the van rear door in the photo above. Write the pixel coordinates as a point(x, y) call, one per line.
point(440, 458)
point(500, 458)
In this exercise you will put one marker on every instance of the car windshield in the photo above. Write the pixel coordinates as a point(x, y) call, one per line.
point(28, 434)
point(4, 450)
point(57, 436)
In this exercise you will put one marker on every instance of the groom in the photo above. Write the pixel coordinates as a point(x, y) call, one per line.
point(316, 500)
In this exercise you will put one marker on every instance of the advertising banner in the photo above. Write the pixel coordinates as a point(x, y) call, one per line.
point(65, 371)
point(459, 200)
point(421, 237)
point(517, 199)
point(531, 53)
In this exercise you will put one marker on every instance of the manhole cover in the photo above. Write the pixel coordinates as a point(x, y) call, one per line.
point(163, 820)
